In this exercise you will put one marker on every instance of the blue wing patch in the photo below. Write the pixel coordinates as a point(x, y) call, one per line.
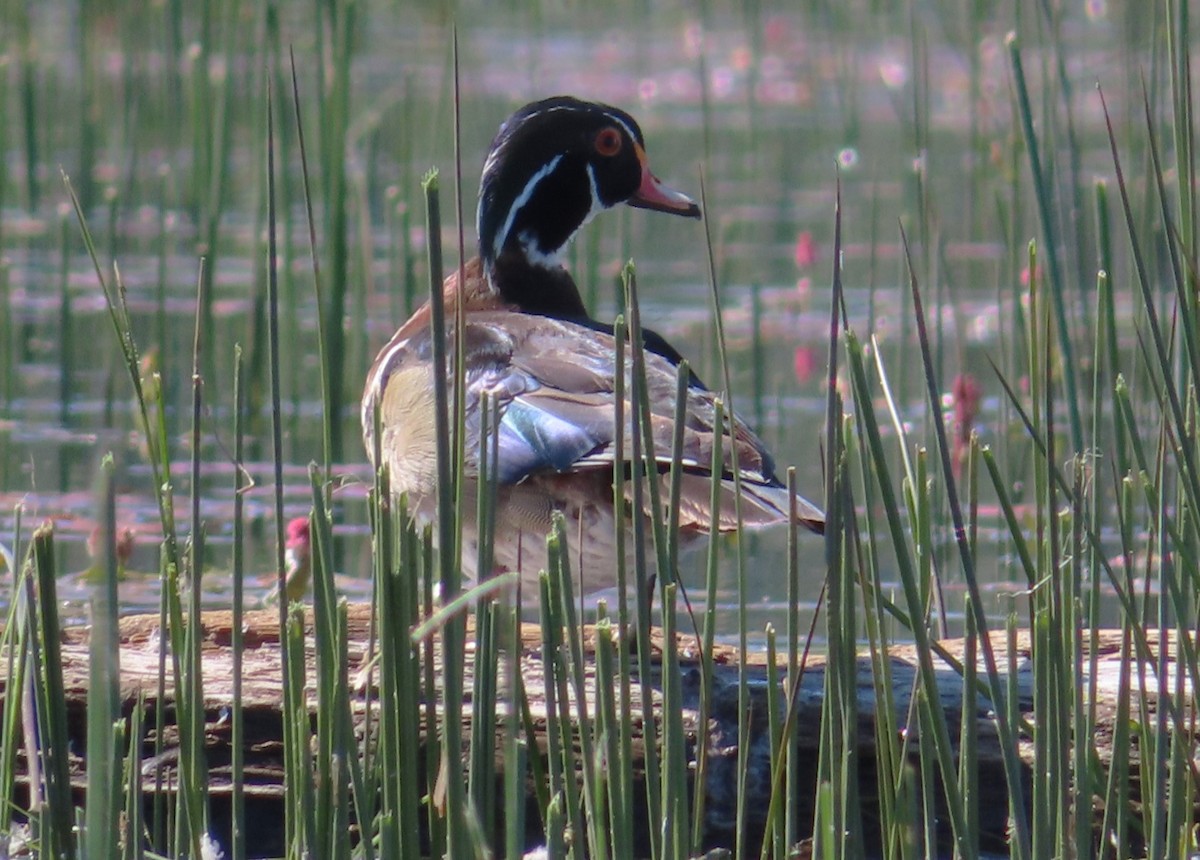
point(534, 440)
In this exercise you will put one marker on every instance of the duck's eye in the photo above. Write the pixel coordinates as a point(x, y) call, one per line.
point(608, 142)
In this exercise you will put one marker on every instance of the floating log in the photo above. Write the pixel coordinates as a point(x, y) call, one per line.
point(262, 694)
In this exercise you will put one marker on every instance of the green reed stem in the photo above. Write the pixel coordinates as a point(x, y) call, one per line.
point(710, 624)
point(515, 750)
point(608, 742)
point(679, 421)
point(335, 123)
point(890, 741)
point(297, 722)
point(8, 343)
point(792, 787)
point(639, 443)
point(347, 769)
point(159, 832)
point(237, 764)
point(1180, 58)
point(118, 312)
point(331, 807)
point(623, 763)
point(450, 572)
point(15, 644)
point(564, 783)
point(1042, 193)
point(54, 830)
point(675, 770)
point(189, 699)
point(644, 432)
point(1114, 827)
point(104, 686)
point(332, 417)
point(485, 678)
point(734, 460)
point(134, 828)
point(1186, 310)
point(575, 670)
point(65, 339)
point(295, 745)
point(774, 830)
point(458, 416)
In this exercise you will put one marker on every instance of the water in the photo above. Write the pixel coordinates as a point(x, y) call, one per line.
point(777, 106)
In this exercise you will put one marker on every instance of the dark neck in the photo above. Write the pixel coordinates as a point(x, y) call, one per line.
point(536, 289)
point(553, 293)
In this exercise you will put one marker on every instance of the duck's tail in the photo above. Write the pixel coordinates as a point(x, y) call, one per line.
point(762, 505)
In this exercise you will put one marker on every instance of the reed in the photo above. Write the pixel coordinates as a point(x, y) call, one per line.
point(8, 352)
point(237, 764)
point(329, 368)
point(105, 726)
point(54, 818)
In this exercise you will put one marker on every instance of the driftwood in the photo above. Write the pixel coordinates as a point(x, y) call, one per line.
point(262, 695)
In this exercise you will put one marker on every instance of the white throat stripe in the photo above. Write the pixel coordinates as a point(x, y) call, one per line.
point(597, 206)
point(519, 203)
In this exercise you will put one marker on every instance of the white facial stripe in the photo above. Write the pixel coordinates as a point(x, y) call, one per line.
point(490, 163)
point(550, 259)
point(597, 206)
point(519, 203)
point(622, 123)
point(546, 110)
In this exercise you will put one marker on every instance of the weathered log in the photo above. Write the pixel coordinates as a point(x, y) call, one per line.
point(262, 695)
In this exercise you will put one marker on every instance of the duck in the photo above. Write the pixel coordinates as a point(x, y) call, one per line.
point(550, 369)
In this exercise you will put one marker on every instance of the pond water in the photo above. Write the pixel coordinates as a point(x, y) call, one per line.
point(160, 124)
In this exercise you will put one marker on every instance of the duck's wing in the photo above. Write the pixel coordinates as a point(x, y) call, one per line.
point(553, 386)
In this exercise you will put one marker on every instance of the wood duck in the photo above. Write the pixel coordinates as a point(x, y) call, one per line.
point(534, 351)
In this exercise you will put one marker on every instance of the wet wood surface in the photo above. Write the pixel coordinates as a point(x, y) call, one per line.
point(262, 694)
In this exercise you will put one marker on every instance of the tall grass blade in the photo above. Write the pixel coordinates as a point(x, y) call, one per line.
point(331, 415)
point(55, 824)
point(237, 802)
point(189, 698)
point(297, 835)
point(708, 636)
point(104, 686)
point(334, 77)
point(1041, 186)
point(639, 423)
point(740, 842)
point(458, 835)
point(118, 312)
point(15, 642)
point(133, 831)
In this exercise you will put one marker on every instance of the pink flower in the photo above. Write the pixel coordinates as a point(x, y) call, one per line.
point(967, 396)
point(806, 250)
point(804, 362)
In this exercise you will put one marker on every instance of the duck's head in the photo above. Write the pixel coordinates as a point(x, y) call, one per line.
point(553, 165)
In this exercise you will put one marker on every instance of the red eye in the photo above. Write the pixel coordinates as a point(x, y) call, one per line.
point(608, 141)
